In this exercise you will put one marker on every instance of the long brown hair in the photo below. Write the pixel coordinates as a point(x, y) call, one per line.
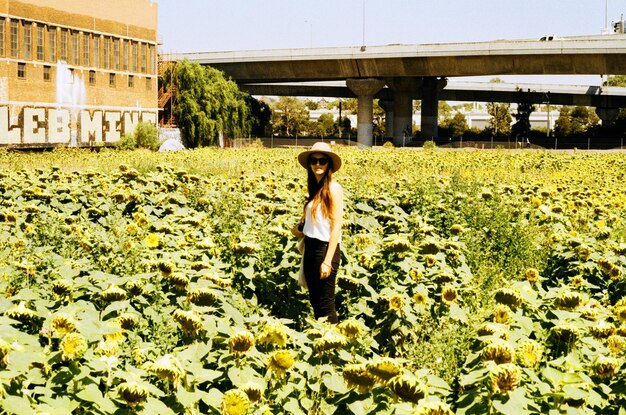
point(319, 192)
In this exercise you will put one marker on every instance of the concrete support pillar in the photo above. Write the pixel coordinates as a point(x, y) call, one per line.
point(430, 111)
point(365, 89)
point(387, 105)
point(403, 91)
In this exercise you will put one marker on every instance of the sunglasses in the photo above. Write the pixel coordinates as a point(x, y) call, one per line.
point(322, 161)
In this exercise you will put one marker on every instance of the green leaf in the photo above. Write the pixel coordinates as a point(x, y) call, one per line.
point(188, 399)
point(155, 406)
point(457, 313)
point(18, 405)
point(90, 393)
point(335, 383)
point(517, 403)
point(293, 407)
point(362, 407)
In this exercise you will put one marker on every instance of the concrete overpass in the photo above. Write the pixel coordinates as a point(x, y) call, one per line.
point(420, 70)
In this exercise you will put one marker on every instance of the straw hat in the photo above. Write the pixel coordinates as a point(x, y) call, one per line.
point(323, 148)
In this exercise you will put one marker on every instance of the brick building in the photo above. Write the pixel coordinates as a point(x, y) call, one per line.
point(76, 72)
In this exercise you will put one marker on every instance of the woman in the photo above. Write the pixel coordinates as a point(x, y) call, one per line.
point(321, 228)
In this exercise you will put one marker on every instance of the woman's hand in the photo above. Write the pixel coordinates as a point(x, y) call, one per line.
point(297, 230)
point(325, 270)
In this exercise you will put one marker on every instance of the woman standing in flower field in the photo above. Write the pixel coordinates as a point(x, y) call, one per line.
point(320, 226)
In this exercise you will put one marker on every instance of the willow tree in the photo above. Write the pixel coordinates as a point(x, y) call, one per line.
point(207, 105)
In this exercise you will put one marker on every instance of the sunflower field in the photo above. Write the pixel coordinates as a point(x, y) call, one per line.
point(472, 282)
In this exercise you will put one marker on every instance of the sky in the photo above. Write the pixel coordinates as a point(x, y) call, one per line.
point(236, 25)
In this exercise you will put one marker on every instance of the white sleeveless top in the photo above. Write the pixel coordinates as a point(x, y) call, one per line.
point(320, 228)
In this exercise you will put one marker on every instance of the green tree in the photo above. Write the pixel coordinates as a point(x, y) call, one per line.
point(311, 105)
point(458, 125)
point(500, 122)
point(290, 117)
point(260, 117)
point(325, 125)
point(575, 121)
point(615, 80)
point(563, 124)
point(208, 104)
point(521, 128)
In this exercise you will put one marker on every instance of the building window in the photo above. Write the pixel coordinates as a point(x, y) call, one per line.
point(152, 59)
point(92, 77)
point(52, 40)
point(96, 51)
point(116, 54)
point(125, 48)
point(86, 59)
point(112, 80)
point(40, 36)
point(134, 57)
point(15, 37)
point(46, 73)
point(107, 52)
point(75, 49)
point(28, 41)
point(64, 44)
point(2, 20)
point(143, 58)
point(72, 76)
point(21, 70)
point(148, 84)
point(131, 81)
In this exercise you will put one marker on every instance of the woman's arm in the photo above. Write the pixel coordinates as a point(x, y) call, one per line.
point(336, 193)
point(297, 228)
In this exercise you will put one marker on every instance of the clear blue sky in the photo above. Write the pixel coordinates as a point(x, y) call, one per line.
point(227, 25)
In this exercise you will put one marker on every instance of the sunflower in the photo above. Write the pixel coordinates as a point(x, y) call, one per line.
point(152, 240)
point(274, 334)
point(420, 298)
point(433, 408)
point(504, 378)
point(5, 349)
point(532, 275)
point(235, 402)
point(62, 325)
point(616, 344)
point(358, 377)
point(529, 353)
point(502, 314)
point(499, 351)
point(253, 390)
point(73, 346)
point(350, 328)
point(407, 388)
point(190, 323)
point(606, 367)
point(448, 294)
point(395, 301)
point(132, 393)
point(167, 368)
point(280, 361)
point(508, 296)
point(241, 342)
point(384, 368)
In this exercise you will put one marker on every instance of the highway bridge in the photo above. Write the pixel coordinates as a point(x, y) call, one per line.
point(401, 73)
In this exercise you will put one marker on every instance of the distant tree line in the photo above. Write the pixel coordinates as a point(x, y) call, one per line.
point(210, 107)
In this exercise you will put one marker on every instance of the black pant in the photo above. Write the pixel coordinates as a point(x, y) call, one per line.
point(321, 291)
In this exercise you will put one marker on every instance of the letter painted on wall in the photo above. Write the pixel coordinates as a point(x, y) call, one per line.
point(90, 126)
point(8, 133)
point(59, 126)
point(53, 126)
point(34, 120)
